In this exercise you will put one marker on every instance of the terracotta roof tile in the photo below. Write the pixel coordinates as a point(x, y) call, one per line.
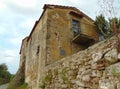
point(59, 6)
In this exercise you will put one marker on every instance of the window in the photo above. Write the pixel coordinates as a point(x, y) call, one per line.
point(76, 27)
point(38, 48)
point(62, 52)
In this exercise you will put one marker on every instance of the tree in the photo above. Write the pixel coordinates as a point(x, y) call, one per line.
point(107, 28)
point(4, 74)
point(3, 67)
point(114, 24)
point(110, 9)
point(101, 26)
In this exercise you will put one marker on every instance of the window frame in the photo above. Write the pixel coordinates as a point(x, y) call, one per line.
point(75, 27)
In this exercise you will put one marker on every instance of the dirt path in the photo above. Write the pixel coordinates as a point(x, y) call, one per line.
point(4, 86)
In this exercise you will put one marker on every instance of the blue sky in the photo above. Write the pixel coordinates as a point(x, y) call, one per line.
point(17, 18)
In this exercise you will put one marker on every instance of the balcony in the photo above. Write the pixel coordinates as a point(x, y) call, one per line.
point(83, 39)
point(79, 37)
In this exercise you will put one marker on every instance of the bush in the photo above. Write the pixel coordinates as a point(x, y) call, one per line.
point(4, 74)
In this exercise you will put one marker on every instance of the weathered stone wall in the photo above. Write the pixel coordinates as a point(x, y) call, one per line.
point(94, 68)
point(33, 51)
point(60, 33)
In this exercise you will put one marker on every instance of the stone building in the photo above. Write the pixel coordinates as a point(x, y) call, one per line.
point(60, 31)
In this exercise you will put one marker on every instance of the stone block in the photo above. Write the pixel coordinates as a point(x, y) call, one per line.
point(113, 70)
point(80, 84)
point(118, 85)
point(96, 56)
point(111, 56)
point(86, 78)
point(80, 88)
point(119, 56)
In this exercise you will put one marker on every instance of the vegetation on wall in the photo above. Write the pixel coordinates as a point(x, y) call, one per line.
point(65, 78)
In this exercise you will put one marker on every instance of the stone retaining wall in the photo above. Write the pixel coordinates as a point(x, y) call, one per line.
point(97, 67)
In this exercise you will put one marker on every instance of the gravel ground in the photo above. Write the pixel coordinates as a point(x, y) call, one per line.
point(4, 86)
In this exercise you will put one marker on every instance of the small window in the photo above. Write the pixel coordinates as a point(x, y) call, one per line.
point(62, 52)
point(38, 48)
point(76, 27)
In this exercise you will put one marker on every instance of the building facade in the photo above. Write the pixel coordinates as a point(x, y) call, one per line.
point(60, 31)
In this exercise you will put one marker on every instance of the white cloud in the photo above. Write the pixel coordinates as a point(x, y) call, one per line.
point(28, 23)
point(11, 58)
point(82, 2)
point(24, 3)
point(15, 41)
point(54, 1)
point(23, 7)
point(7, 55)
point(90, 8)
point(2, 5)
point(2, 30)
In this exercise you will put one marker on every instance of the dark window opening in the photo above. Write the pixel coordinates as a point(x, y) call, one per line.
point(75, 27)
point(38, 48)
point(62, 52)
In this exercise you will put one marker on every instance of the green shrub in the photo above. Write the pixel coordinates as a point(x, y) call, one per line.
point(4, 74)
point(23, 86)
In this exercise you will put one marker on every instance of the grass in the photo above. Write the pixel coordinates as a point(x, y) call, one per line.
point(11, 84)
point(23, 86)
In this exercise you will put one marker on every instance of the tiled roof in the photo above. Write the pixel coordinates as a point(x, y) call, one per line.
point(67, 7)
point(59, 6)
